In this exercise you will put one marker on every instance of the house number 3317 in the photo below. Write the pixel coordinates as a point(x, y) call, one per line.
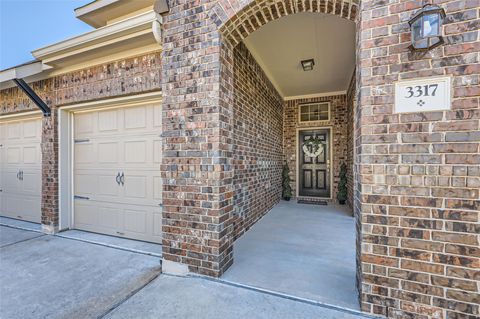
point(421, 90)
point(422, 95)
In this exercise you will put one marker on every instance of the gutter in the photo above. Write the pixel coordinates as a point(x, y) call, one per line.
point(33, 96)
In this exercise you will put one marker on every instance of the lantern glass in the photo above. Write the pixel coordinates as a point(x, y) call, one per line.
point(426, 28)
point(431, 25)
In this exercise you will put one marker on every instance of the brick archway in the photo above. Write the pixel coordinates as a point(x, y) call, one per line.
point(236, 23)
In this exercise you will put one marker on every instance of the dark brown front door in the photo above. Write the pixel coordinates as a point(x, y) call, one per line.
point(314, 172)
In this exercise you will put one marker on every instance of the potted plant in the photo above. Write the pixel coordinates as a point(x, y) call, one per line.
point(286, 188)
point(342, 185)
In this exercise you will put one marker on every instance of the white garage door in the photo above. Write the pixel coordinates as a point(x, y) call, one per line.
point(21, 169)
point(117, 182)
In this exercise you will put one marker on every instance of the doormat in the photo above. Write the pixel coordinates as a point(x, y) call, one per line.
point(312, 201)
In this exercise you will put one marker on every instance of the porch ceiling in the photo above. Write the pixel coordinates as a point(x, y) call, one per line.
point(280, 45)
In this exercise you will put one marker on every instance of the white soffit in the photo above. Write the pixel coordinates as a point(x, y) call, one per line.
point(280, 45)
point(132, 32)
point(23, 71)
point(97, 13)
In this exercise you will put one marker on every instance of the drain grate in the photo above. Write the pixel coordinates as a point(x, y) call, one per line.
point(312, 201)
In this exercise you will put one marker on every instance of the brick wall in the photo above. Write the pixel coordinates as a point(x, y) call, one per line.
point(350, 118)
point(257, 142)
point(124, 77)
point(339, 137)
point(419, 173)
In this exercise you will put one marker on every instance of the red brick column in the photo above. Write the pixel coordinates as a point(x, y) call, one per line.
point(418, 173)
point(197, 169)
point(50, 201)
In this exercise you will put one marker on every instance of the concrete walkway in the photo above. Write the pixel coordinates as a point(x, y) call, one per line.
point(302, 250)
point(44, 276)
point(196, 298)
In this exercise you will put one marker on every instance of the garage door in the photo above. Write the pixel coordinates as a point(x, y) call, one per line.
point(117, 184)
point(20, 169)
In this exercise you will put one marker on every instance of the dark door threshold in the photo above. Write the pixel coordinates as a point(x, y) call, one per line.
point(312, 201)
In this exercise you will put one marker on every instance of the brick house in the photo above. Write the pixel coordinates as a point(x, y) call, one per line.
point(168, 125)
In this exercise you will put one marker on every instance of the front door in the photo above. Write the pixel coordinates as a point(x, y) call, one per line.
point(314, 171)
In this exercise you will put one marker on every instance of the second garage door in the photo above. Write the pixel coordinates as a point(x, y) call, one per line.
point(20, 169)
point(117, 184)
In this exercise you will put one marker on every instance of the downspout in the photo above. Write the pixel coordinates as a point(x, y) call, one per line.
point(33, 96)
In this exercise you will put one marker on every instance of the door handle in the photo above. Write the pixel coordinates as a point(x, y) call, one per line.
point(18, 175)
point(122, 179)
point(118, 178)
point(21, 175)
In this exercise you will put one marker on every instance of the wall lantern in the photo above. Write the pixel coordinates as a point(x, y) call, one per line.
point(426, 28)
point(307, 65)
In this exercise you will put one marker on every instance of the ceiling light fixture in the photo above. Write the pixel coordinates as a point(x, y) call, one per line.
point(307, 65)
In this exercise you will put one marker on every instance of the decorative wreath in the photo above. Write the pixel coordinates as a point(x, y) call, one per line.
point(313, 147)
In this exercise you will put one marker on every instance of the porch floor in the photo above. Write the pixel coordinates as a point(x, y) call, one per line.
point(306, 251)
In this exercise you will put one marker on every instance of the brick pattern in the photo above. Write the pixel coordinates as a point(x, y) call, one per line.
point(339, 136)
point(124, 77)
point(197, 85)
point(258, 144)
point(238, 24)
point(419, 173)
point(350, 158)
point(197, 166)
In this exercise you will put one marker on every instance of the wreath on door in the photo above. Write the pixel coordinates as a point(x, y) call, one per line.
point(313, 147)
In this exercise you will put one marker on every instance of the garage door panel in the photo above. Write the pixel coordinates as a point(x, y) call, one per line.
point(20, 151)
point(136, 118)
point(122, 140)
point(130, 221)
point(157, 188)
point(14, 155)
point(97, 184)
point(108, 152)
point(10, 182)
point(32, 182)
point(84, 153)
point(108, 120)
point(21, 207)
point(84, 124)
point(135, 186)
point(135, 152)
point(136, 220)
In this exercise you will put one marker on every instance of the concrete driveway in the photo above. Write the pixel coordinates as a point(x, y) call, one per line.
point(198, 298)
point(44, 276)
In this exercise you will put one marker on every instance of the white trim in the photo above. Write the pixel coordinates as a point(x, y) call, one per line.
point(65, 138)
point(118, 101)
point(92, 6)
point(65, 163)
point(23, 71)
point(312, 96)
point(101, 35)
point(299, 105)
point(297, 159)
point(20, 116)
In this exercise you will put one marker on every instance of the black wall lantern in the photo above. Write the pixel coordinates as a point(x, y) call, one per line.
point(426, 28)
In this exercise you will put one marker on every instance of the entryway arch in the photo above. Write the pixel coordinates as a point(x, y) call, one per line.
point(237, 21)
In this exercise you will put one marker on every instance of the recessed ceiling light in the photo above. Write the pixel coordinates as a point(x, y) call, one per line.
point(307, 65)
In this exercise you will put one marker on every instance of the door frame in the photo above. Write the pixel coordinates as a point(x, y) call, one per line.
point(66, 146)
point(297, 158)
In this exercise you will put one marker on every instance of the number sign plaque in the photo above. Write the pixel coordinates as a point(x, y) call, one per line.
point(422, 95)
